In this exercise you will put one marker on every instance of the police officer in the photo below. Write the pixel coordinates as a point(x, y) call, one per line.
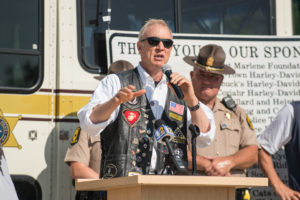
point(235, 147)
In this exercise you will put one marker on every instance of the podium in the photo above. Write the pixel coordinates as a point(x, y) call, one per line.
point(159, 187)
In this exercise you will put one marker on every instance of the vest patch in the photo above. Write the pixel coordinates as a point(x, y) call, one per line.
point(131, 116)
point(179, 137)
point(176, 108)
point(110, 171)
point(175, 116)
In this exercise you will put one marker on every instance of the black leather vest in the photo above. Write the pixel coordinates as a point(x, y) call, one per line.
point(127, 143)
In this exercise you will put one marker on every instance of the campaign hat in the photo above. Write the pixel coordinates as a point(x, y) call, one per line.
point(211, 58)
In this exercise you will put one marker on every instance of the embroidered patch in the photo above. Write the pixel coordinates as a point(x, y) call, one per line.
point(179, 137)
point(249, 123)
point(176, 108)
point(110, 171)
point(175, 116)
point(178, 153)
point(131, 116)
point(76, 135)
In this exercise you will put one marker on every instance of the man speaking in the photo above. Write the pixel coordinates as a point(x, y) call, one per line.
point(124, 107)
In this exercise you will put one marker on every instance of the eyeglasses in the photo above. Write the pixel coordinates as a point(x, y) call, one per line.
point(154, 41)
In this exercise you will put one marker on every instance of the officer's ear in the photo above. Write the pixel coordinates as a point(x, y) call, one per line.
point(222, 78)
point(191, 74)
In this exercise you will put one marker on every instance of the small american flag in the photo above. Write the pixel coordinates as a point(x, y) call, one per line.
point(177, 108)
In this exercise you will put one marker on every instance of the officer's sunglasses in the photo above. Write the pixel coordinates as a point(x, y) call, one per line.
point(154, 41)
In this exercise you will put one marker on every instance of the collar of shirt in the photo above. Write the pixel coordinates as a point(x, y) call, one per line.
point(218, 106)
point(147, 79)
point(154, 94)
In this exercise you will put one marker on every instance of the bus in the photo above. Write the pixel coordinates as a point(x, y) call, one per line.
point(53, 52)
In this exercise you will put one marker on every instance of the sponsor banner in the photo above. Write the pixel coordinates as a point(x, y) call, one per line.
point(267, 67)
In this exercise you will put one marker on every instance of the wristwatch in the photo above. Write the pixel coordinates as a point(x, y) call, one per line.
point(194, 108)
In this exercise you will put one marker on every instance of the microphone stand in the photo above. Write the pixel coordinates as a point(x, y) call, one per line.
point(195, 133)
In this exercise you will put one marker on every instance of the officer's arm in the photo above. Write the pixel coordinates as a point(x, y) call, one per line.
point(202, 163)
point(244, 158)
point(80, 170)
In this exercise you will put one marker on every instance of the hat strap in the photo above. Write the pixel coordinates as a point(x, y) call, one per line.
point(208, 68)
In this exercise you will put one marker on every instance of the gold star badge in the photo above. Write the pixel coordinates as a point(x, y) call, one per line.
point(227, 115)
point(7, 124)
point(210, 61)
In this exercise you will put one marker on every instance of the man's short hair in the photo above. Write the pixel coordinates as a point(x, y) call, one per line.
point(151, 22)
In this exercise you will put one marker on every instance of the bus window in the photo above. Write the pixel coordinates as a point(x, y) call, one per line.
point(20, 46)
point(296, 17)
point(131, 15)
point(127, 15)
point(184, 16)
point(228, 17)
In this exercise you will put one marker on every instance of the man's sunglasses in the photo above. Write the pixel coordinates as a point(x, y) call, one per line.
point(154, 41)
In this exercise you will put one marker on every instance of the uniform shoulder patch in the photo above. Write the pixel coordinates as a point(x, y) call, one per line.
point(76, 136)
point(249, 122)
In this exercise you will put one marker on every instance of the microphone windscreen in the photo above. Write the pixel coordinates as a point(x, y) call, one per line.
point(165, 68)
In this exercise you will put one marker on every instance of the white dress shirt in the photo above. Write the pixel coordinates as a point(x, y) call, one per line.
point(109, 87)
point(279, 132)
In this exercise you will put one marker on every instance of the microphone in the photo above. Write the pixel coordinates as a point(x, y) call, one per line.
point(164, 133)
point(166, 69)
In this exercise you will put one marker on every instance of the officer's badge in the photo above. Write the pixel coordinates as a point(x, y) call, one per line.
point(76, 136)
point(131, 116)
point(249, 122)
point(227, 115)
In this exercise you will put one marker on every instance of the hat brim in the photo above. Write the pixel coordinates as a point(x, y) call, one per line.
point(191, 61)
point(99, 78)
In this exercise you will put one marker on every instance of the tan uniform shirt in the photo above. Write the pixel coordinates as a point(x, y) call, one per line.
point(233, 132)
point(87, 150)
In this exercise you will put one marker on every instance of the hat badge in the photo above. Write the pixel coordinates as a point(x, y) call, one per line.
point(210, 61)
